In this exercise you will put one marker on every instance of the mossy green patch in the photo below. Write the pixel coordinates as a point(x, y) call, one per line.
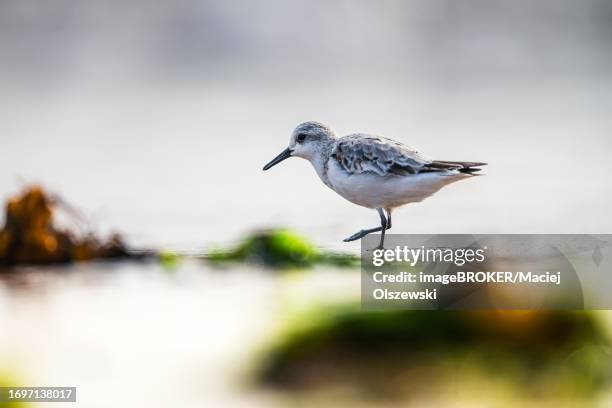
point(539, 353)
point(169, 260)
point(280, 248)
point(7, 380)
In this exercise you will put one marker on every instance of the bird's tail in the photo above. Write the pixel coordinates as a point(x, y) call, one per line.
point(463, 167)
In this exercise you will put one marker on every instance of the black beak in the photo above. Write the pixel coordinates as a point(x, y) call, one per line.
point(284, 155)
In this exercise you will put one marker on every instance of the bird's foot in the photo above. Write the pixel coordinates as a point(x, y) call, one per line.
point(356, 236)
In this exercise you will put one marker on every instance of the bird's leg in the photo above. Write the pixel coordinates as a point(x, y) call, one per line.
point(363, 233)
point(384, 224)
point(388, 210)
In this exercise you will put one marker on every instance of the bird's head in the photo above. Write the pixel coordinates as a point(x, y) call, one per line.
point(306, 141)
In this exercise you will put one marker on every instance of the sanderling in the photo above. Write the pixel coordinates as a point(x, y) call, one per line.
point(372, 171)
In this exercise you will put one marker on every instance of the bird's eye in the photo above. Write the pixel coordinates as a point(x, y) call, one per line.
point(300, 138)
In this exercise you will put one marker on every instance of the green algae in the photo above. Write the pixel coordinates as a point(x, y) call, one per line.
point(280, 249)
point(8, 380)
point(169, 260)
point(536, 354)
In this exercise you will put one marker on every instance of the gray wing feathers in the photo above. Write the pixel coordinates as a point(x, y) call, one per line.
point(364, 153)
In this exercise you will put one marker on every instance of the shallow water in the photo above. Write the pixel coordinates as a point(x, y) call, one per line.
point(135, 334)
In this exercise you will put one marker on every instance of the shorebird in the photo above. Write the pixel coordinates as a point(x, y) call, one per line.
point(372, 171)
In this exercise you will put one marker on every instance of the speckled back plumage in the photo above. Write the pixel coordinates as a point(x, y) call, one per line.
point(359, 153)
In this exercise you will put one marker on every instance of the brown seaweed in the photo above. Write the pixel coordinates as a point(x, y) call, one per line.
point(30, 235)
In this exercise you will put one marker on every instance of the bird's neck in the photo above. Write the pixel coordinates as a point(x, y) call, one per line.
point(320, 161)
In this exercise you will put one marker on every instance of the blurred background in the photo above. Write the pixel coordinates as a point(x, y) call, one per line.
point(154, 118)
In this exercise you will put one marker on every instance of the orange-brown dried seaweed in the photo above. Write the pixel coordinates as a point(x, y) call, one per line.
point(29, 235)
